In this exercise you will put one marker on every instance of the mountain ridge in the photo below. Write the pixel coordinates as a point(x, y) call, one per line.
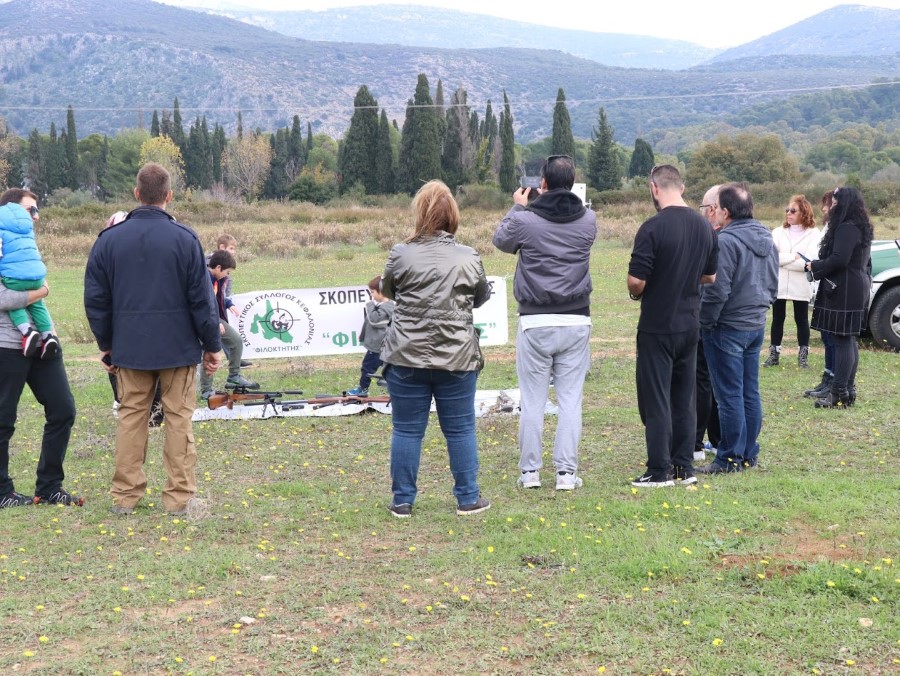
point(418, 26)
point(115, 61)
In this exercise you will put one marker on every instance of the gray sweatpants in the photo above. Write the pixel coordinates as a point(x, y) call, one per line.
point(563, 352)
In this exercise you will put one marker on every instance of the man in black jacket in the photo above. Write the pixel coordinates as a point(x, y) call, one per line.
point(150, 306)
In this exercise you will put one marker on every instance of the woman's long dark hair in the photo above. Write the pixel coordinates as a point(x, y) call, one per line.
point(849, 208)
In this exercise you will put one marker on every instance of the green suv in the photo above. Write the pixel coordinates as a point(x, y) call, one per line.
point(884, 310)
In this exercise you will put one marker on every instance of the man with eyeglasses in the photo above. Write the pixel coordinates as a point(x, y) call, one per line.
point(553, 236)
point(674, 253)
point(45, 375)
point(707, 411)
point(733, 322)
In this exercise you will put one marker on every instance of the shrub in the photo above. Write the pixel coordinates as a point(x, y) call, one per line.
point(487, 196)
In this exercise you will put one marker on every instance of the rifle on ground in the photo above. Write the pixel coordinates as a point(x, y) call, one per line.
point(322, 400)
point(246, 396)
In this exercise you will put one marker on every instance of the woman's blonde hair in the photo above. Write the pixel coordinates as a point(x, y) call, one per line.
point(434, 209)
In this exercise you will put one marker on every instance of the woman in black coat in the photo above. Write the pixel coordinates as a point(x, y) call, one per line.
point(842, 301)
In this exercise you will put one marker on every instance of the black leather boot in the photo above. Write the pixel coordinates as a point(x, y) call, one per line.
point(851, 395)
point(774, 354)
point(822, 388)
point(834, 399)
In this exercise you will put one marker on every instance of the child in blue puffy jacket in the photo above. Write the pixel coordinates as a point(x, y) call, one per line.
point(22, 269)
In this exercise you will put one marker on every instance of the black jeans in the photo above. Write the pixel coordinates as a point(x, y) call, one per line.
point(48, 382)
point(846, 361)
point(666, 373)
point(801, 317)
point(707, 410)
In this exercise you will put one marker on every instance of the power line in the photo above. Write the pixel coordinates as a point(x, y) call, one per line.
point(518, 102)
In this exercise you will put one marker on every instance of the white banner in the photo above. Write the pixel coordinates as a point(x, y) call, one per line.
point(307, 322)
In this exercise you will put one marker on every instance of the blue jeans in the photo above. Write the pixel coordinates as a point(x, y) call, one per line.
point(733, 359)
point(411, 391)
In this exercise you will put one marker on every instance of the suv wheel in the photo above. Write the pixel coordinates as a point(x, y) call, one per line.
point(884, 318)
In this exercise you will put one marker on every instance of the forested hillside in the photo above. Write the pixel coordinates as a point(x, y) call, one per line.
point(115, 61)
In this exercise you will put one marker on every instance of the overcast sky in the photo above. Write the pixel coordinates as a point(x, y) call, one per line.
point(711, 23)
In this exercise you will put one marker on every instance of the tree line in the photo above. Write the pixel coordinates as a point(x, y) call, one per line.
point(439, 138)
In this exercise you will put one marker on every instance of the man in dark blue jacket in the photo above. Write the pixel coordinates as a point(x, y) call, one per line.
point(150, 306)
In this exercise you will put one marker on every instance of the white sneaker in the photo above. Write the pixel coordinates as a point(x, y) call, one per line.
point(530, 479)
point(568, 482)
point(700, 456)
point(115, 409)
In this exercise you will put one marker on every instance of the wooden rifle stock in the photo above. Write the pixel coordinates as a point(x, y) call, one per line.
point(219, 399)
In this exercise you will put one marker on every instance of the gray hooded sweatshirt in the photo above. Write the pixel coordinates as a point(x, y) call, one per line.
point(746, 279)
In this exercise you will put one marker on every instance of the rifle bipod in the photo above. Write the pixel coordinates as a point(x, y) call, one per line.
point(246, 396)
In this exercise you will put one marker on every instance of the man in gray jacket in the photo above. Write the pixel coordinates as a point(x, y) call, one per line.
point(553, 236)
point(733, 323)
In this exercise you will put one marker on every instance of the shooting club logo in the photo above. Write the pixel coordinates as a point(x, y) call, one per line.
point(276, 322)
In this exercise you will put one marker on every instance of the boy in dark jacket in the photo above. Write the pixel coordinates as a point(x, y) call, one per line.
point(220, 265)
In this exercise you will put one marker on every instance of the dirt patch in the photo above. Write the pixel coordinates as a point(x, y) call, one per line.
point(798, 548)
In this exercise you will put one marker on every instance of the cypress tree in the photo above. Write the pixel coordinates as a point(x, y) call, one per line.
point(154, 125)
point(277, 183)
point(641, 159)
point(296, 150)
point(177, 128)
point(240, 126)
point(358, 151)
point(56, 158)
point(441, 113)
point(198, 162)
point(420, 152)
point(71, 149)
point(309, 141)
point(384, 157)
point(165, 125)
point(507, 175)
point(217, 149)
point(603, 161)
point(37, 164)
point(456, 159)
point(562, 143)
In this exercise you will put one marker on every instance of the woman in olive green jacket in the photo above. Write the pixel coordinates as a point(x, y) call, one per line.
point(431, 348)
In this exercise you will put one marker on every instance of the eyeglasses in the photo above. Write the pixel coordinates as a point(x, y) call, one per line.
point(790, 211)
point(707, 206)
point(32, 210)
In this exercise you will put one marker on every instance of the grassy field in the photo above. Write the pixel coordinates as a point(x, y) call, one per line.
point(299, 568)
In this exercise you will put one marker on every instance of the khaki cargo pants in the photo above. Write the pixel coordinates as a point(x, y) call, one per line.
point(136, 390)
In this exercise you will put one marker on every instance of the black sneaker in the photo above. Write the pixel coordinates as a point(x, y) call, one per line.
point(240, 381)
point(685, 475)
point(60, 497)
point(651, 480)
point(13, 499)
point(31, 343)
point(715, 468)
point(480, 505)
point(401, 511)
point(50, 348)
